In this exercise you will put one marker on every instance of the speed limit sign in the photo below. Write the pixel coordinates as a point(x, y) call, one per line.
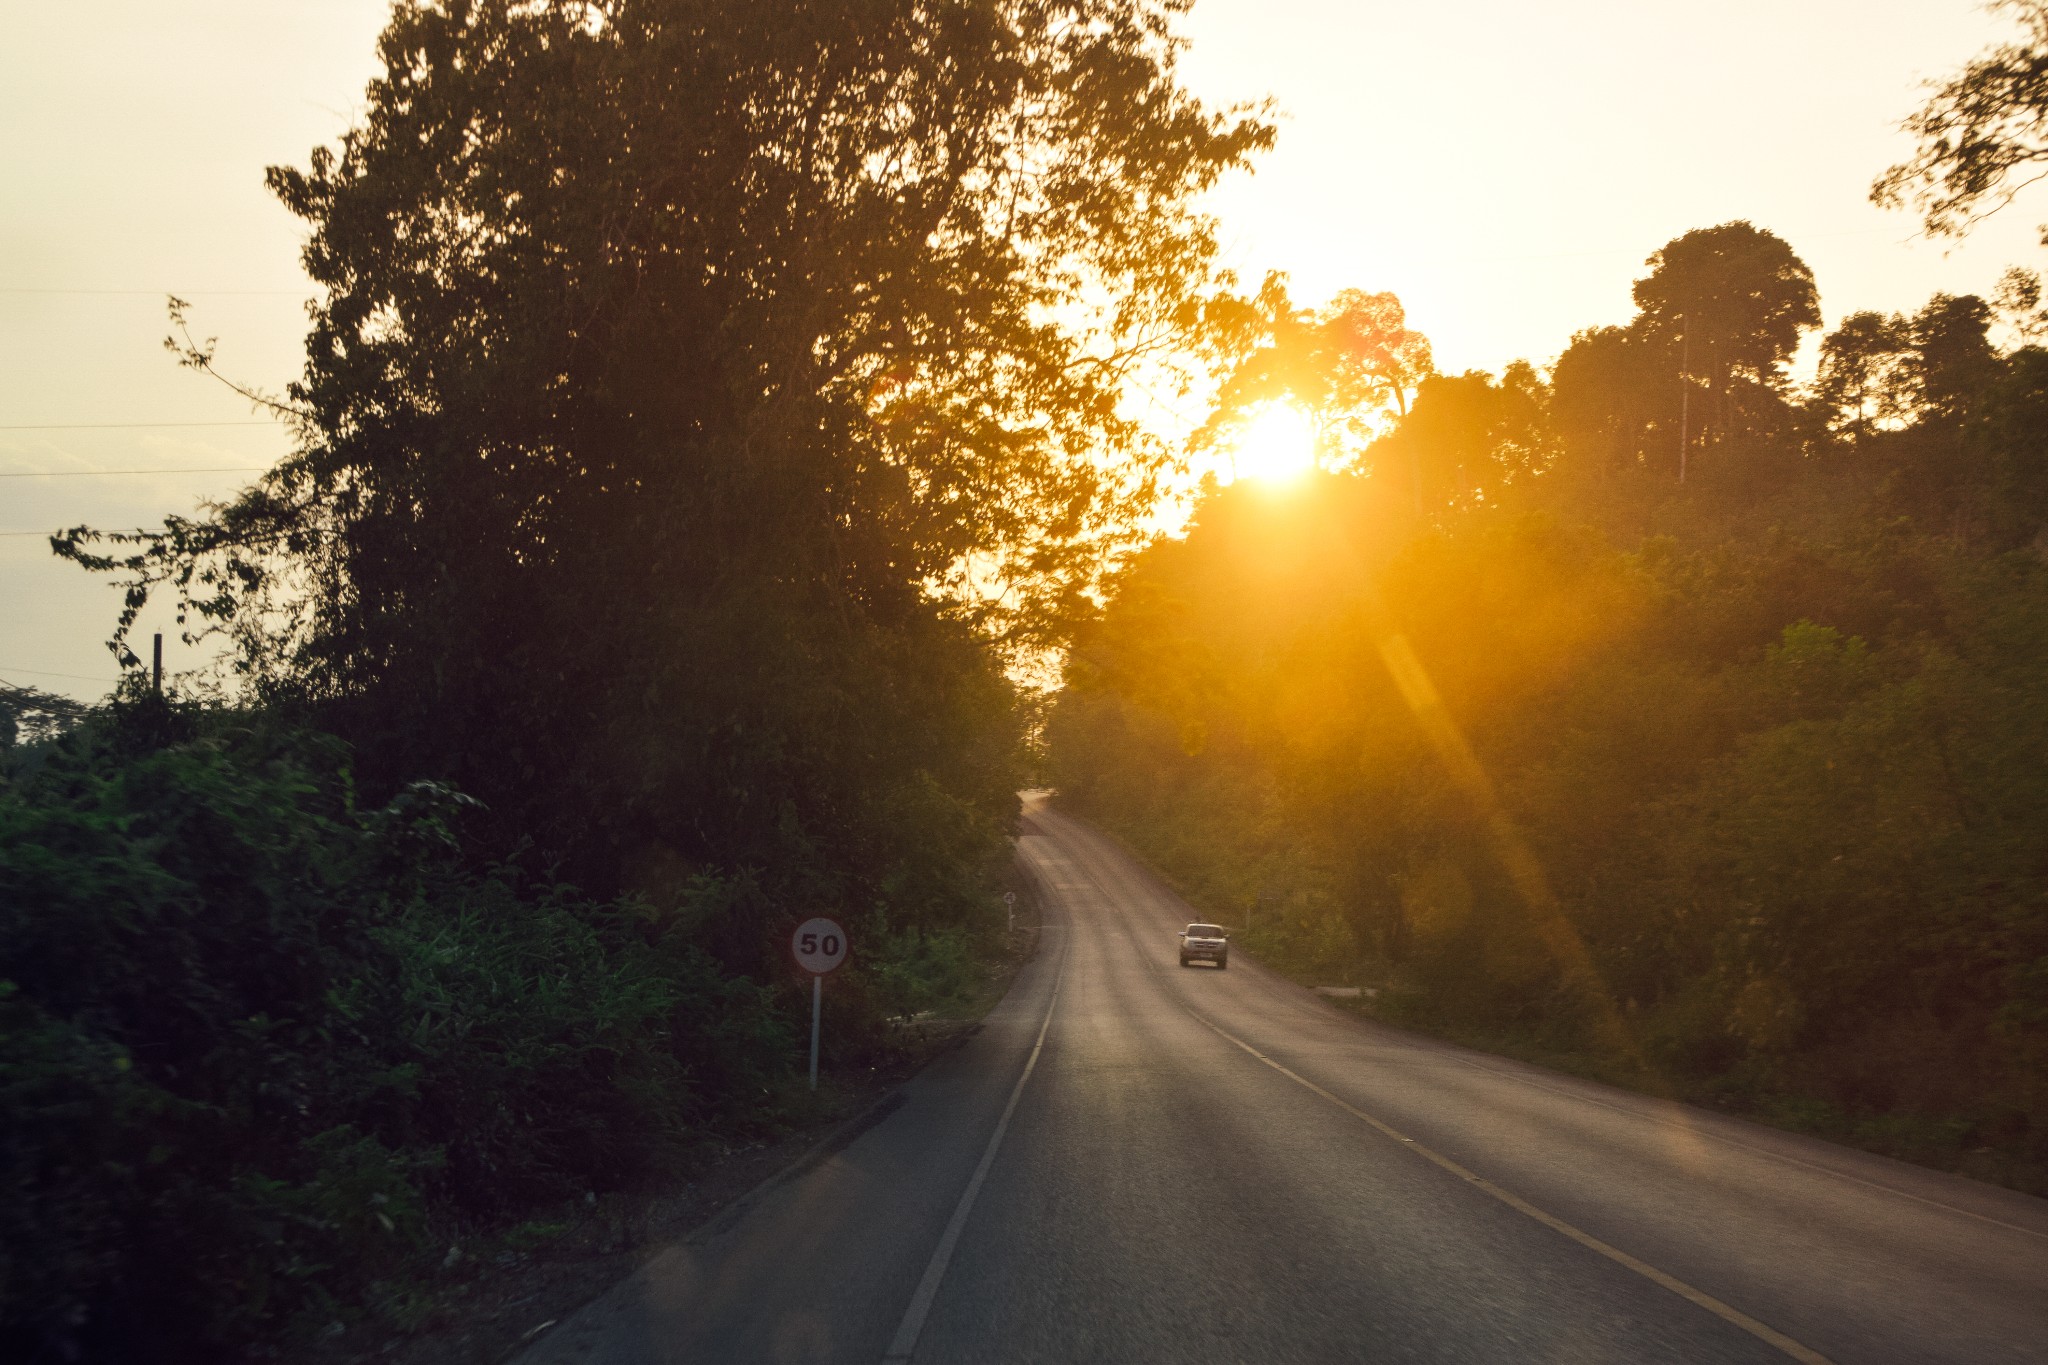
point(819, 946)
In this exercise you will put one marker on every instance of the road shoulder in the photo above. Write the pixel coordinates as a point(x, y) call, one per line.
point(530, 1279)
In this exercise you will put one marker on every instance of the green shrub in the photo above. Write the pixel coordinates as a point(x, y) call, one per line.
point(262, 1054)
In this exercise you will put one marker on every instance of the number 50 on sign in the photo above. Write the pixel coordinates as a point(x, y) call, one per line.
point(819, 946)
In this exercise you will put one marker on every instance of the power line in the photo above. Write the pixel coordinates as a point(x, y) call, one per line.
point(134, 531)
point(161, 293)
point(82, 473)
point(46, 673)
point(122, 426)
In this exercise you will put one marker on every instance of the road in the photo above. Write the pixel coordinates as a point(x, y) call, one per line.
point(1136, 1162)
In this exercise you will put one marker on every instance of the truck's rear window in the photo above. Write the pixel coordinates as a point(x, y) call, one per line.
point(1205, 931)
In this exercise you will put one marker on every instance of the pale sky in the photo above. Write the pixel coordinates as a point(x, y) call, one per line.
point(1503, 166)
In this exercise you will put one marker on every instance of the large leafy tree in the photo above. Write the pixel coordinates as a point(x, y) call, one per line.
point(1719, 314)
point(1954, 360)
point(1727, 305)
point(1879, 372)
point(1605, 395)
point(686, 371)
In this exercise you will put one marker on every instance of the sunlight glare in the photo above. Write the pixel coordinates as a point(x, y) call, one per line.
point(1278, 444)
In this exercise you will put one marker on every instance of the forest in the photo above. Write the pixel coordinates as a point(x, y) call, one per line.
point(1652, 714)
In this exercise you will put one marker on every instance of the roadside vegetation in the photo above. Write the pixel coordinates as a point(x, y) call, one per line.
point(705, 407)
point(1650, 713)
point(1625, 815)
point(271, 1053)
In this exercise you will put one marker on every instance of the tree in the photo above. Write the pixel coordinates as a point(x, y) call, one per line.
point(1953, 359)
point(1348, 365)
point(1881, 372)
point(1727, 305)
point(1468, 438)
point(1982, 135)
point(1864, 376)
point(2017, 301)
point(682, 366)
point(1720, 313)
point(1603, 397)
point(1378, 359)
point(29, 715)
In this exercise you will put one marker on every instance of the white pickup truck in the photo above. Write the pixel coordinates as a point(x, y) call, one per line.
point(1204, 943)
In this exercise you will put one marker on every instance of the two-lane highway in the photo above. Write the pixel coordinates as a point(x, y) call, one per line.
point(1135, 1162)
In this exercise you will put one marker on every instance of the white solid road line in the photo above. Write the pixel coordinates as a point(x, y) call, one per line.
point(1798, 1351)
point(1697, 1131)
point(1806, 1355)
point(904, 1343)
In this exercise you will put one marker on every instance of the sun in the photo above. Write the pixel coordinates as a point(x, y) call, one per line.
point(1276, 445)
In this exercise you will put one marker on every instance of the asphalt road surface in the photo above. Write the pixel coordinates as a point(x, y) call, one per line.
point(1136, 1162)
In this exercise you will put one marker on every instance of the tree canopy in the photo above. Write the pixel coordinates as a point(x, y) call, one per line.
point(1729, 304)
point(1348, 365)
point(1982, 135)
point(1719, 314)
point(699, 386)
point(1468, 437)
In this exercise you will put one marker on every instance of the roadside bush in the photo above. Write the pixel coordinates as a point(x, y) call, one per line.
point(264, 1055)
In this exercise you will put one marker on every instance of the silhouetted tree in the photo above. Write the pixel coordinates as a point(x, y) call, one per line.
point(1348, 365)
point(29, 715)
point(1864, 377)
point(1721, 312)
point(677, 365)
point(2017, 302)
point(1879, 373)
point(1468, 438)
point(1953, 358)
point(1983, 135)
point(1726, 306)
point(1597, 404)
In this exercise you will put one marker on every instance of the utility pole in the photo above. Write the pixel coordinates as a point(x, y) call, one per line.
point(156, 671)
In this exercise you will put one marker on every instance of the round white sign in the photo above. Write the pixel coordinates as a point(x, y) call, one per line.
point(819, 945)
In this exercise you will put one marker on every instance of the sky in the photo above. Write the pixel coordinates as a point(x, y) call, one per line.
point(1504, 167)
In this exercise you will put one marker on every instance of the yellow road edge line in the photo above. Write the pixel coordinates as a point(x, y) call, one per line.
point(1734, 1316)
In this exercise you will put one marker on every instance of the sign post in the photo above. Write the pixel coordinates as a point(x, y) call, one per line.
point(817, 1009)
point(1010, 906)
point(819, 946)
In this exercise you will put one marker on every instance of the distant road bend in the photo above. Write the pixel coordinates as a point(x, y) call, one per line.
point(1132, 1162)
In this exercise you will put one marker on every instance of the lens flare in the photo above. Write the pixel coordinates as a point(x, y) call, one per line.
point(1277, 444)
